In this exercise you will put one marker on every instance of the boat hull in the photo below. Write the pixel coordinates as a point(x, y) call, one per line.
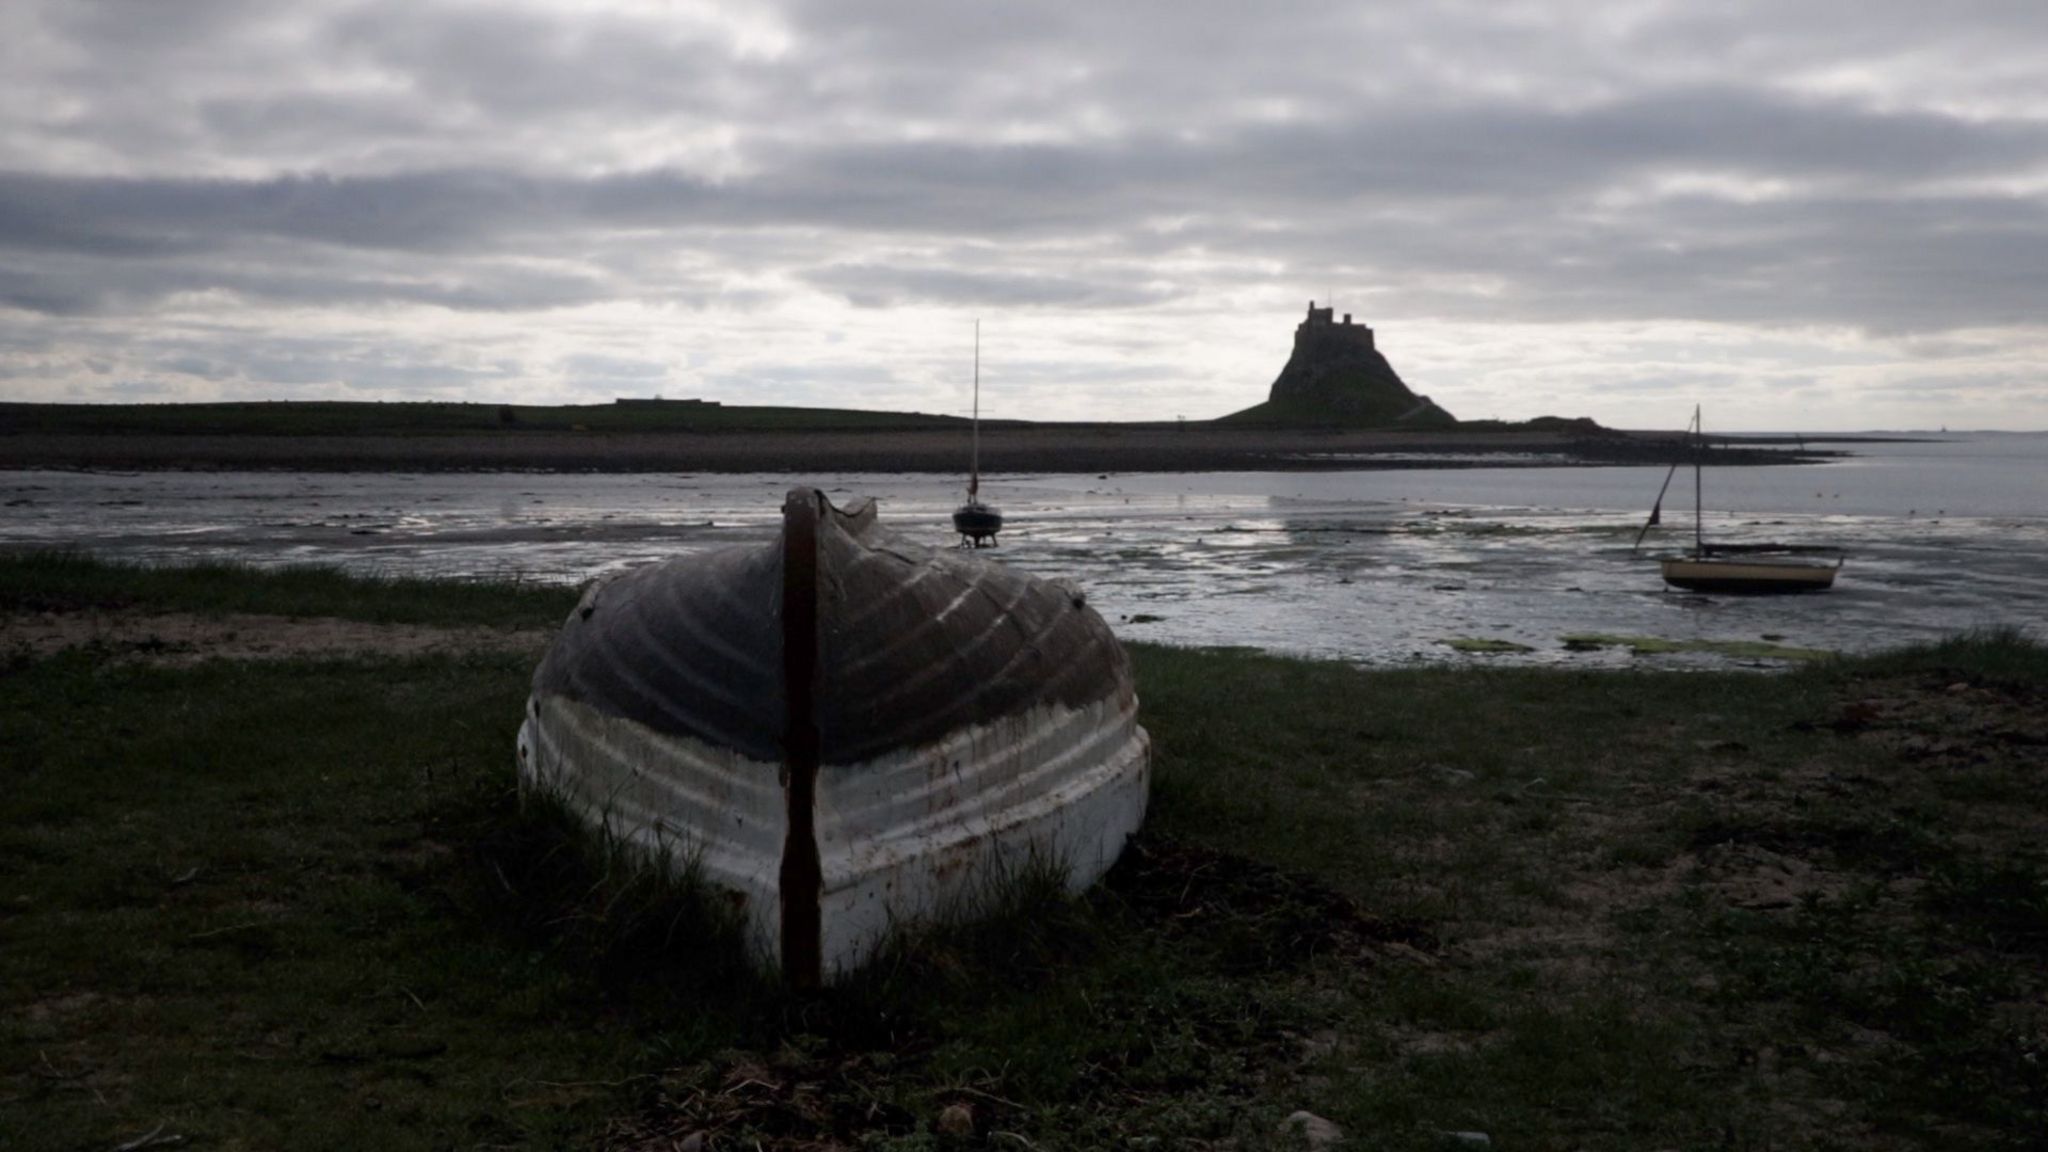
point(978, 523)
point(1747, 577)
point(847, 733)
point(919, 835)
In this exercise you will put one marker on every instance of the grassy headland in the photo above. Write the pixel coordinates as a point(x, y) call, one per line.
point(258, 903)
point(680, 436)
point(438, 418)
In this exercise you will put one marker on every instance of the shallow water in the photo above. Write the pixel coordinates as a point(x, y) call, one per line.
point(1378, 566)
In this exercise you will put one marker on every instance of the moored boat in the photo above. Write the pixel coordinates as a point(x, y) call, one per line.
point(976, 521)
point(848, 732)
point(1728, 568)
point(1748, 575)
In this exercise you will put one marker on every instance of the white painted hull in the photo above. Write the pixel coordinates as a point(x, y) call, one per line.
point(909, 838)
point(848, 733)
point(932, 833)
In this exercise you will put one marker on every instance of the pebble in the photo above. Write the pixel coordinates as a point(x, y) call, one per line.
point(1319, 1133)
point(957, 1120)
point(1471, 1139)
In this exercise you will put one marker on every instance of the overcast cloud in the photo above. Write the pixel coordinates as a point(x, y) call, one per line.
point(1810, 215)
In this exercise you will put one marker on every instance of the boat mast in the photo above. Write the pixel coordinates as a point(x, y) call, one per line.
point(1699, 449)
point(974, 478)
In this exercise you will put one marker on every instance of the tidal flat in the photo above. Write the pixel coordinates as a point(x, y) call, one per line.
point(1379, 567)
point(255, 895)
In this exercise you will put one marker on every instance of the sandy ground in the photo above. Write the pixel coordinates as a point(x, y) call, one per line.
point(1041, 448)
point(183, 638)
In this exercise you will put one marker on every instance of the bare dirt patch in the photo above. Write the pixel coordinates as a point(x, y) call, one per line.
point(184, 638)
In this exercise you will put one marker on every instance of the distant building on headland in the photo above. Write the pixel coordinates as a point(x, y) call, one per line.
point(1338, 376)
point(662, 402)
point(1324, 320)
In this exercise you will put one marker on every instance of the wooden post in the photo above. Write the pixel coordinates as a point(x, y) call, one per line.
point(801, 876)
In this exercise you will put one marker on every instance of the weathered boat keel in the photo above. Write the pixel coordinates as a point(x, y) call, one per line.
point(848, 733)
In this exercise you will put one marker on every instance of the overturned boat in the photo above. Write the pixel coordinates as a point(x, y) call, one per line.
point(848, 732)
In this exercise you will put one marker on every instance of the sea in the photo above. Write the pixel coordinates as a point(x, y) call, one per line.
point(1940, 534)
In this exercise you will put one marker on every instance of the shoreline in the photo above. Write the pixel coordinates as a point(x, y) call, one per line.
point(944, 451)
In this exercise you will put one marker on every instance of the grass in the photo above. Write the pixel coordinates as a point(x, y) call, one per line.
point(67, 581)
point(1483, 645)
point(1998, 653)
point(252, 899)
point(437, 418)
point(1660, 645)
point(1373, 406)
point(1570, 909)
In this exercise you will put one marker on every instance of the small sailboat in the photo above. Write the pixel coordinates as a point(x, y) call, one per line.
point(1738, 568)
point(977, 522)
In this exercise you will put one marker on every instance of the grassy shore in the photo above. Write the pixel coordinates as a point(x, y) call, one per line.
point(260, 903)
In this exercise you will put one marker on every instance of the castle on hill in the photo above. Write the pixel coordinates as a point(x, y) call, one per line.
point(1322, 319)
point(1337, 375)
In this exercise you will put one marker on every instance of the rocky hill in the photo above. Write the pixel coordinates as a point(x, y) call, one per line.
point(1337, 376)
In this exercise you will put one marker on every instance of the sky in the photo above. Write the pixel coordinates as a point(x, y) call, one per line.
point(1802, 214)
